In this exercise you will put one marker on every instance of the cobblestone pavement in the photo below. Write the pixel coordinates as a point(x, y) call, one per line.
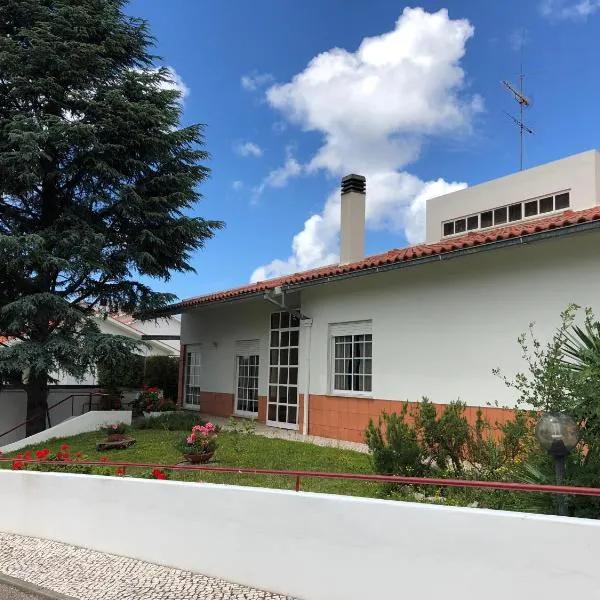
point(89, 575)
point(11, 593)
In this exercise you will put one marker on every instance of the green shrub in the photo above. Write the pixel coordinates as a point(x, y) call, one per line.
point(395, 449)
point(126, 374)
point(170, 421)
point(163, 372)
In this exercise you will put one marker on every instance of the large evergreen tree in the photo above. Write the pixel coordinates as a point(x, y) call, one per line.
point(97, 180)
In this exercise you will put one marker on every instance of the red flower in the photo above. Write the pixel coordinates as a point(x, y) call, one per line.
point(17, 465)
point(42, 454)
point(19, 457)
point(27, 455)
point(158, 474)
point(66, 456)
point(120, 471)
point(78, 455)
point(64, 446)
point(59, 455)
point(103, 459)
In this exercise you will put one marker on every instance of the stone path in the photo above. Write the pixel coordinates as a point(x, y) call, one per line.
point(89, 575)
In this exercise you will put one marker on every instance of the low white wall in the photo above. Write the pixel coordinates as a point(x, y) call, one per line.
point(90, 421)
point(312, 546)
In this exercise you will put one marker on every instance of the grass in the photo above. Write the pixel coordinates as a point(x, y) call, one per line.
point(238, 450)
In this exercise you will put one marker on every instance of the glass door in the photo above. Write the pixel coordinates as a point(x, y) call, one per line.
point(282, 407)
point(246, 400)
point(191, 396)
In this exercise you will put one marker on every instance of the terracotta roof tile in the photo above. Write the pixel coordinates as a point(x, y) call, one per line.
point(477, 238)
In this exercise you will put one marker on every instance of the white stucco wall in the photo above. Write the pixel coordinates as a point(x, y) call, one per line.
point(312, 546)
point(438, 329)
point(217, 329)
point(90, 421)
point(580, 174)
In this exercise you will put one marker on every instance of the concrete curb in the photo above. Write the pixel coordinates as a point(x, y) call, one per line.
point(31, 588)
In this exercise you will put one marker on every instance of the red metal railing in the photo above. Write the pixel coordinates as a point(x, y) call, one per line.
point(495, 485)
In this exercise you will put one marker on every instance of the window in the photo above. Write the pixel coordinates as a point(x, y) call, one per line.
point(546, 204)
point(473, 223)
point(561, 201)
point(192, 376)
point(352, 357)
point(531, 208)
point(515, 212)
point(500, 216)
point(487, 219)
point(507, 214)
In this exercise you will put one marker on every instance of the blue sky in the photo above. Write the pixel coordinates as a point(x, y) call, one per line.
point(417, 108)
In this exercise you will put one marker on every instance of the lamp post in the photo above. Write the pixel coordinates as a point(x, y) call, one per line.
point(557, 433)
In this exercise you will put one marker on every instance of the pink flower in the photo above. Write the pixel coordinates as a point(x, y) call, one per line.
point(209, 427)
point(196, 428)
point(191, 438)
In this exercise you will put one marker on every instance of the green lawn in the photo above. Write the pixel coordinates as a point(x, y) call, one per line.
point(240, 450)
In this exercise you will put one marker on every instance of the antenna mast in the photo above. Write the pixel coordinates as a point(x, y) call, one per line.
point(523, 103)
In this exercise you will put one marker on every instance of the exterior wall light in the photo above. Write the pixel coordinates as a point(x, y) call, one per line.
point(557, 433)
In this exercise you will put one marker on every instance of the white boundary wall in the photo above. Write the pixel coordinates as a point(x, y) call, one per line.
point(90, 421)
point(311, 546)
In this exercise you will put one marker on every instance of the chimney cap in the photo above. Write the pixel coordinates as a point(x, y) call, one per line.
point(354, 183)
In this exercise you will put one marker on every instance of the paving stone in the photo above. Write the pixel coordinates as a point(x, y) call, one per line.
point(90, 575)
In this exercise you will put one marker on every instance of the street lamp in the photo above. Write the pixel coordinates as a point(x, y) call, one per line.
point(557, 433)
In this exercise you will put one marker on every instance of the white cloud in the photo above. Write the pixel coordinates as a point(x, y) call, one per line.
point(237, 185)
point(255, 81)
point(279, 177)
point(569, 9)
point(248, 149)
point(375, 108)
point(518, 38)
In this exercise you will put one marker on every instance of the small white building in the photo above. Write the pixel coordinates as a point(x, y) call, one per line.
point(430, 320)
point(13, 400)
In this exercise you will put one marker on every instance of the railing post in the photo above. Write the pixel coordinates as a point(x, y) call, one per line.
point(297, 483)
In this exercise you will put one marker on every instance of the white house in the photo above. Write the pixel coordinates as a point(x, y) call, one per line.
point(323, 351)
point(13, 400)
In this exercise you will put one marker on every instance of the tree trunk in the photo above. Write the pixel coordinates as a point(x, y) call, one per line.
point(37, 404)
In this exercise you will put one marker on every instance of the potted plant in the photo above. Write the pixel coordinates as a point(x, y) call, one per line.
point(200, 445)
point(115, 432)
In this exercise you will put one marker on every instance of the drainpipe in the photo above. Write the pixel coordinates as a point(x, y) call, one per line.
point(307, 324)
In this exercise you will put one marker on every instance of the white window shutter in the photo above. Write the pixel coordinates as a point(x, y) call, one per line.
point(247, 347)
point(350, 328)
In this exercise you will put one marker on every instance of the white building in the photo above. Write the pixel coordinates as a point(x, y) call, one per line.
point(13, 400)
point(430, 320)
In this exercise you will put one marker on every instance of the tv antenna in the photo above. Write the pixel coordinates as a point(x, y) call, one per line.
point(523, 102)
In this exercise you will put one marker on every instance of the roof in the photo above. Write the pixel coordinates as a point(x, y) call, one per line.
point(410, 254)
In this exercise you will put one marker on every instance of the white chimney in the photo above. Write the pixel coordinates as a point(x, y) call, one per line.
point(352, 228)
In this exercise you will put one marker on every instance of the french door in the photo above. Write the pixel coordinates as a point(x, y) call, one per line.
point(282, 403)
point(246, 399)
point(191, 395)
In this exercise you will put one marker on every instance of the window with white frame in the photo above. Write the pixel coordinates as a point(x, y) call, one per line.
point(192, 376)
point(351, 357)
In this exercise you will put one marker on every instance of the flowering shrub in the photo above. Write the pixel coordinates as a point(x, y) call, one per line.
point(151, 399)
point(44, 460)
point(201, 440)
point(114, 429)
point(159, 474)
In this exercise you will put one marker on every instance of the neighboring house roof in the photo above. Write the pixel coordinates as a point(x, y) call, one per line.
point(568, 220)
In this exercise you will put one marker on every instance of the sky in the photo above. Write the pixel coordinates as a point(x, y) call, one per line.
point(296, 94)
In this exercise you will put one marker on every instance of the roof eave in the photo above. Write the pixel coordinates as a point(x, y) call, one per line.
point(351, 274)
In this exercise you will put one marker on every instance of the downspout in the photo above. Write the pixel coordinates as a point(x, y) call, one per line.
point(307, 324)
